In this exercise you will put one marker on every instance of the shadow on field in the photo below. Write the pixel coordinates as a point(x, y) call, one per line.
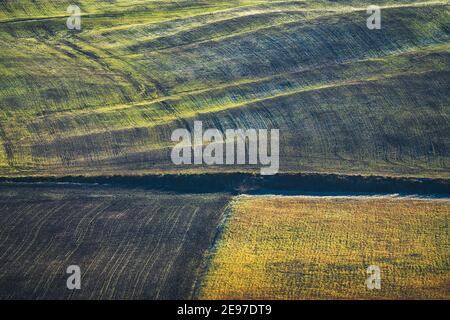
point(238, 183)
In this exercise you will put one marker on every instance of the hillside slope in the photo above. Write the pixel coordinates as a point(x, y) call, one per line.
point(106, 99)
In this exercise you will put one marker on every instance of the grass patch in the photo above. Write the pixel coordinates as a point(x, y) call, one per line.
point(319, 248)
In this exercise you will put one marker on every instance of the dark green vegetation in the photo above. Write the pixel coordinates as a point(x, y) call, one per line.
point(237, 183)
point(106, 99)
point(128, 244)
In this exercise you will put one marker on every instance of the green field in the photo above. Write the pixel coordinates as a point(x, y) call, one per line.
point(105, 100)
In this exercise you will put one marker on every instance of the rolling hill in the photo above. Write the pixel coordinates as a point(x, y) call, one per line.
point(105, 100)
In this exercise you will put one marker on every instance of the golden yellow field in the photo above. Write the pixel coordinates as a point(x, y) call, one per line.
point(320, 248)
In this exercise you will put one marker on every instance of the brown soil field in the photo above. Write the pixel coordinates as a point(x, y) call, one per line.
point(129, 244)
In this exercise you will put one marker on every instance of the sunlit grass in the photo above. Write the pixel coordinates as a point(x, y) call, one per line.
point(313, 248)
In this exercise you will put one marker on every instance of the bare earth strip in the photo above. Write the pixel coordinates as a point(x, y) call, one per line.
point(320, 248)
point(129, 244)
